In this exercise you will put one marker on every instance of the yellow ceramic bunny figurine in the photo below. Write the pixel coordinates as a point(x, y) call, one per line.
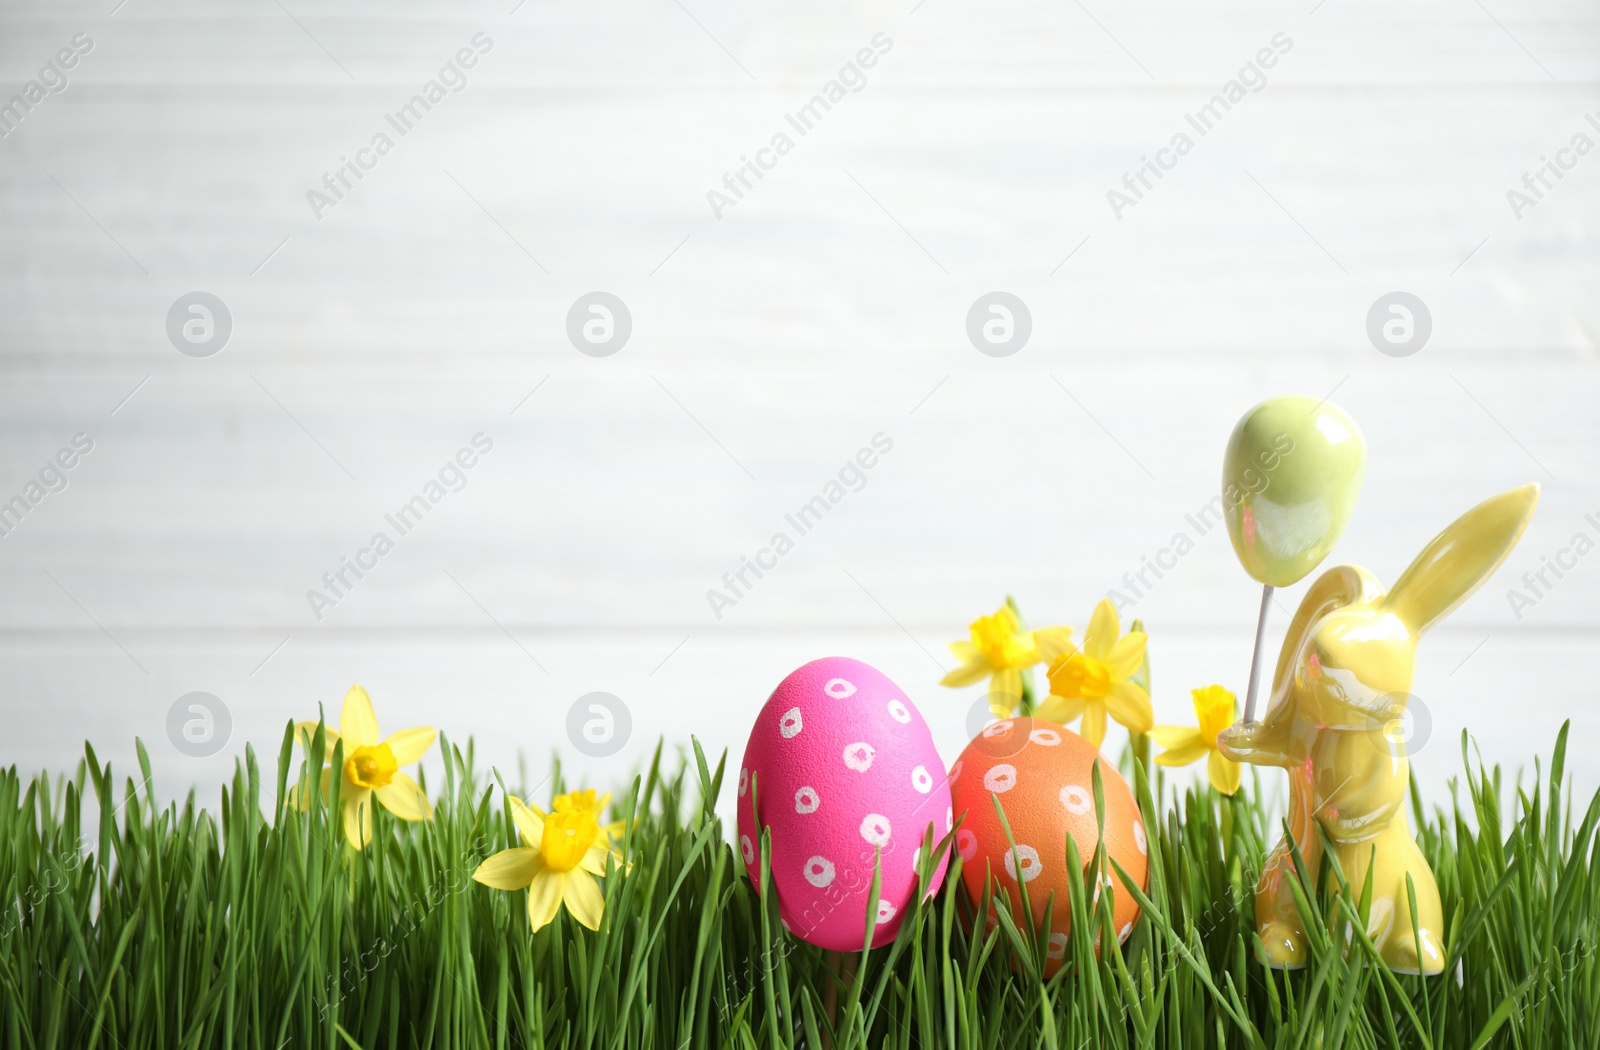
point(1342, 680)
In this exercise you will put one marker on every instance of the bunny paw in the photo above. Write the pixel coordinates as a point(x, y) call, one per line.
point(1401, 954)
point(1282, 947)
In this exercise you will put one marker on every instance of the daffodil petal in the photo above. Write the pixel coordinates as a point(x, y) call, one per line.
point(1028, 653)
point(529, 823)
point(358, 817)
point(544, 896)
point(1175, 736)
point(1224, 774)
point(1127, 656)
point(1184, 754)
point(404, 797)
point(358, 722)
point(1005, 690)
point(967, 675)
point(1062, 709)
point(1102, 632)
point(1130, 705)
point(409, 745)
point(510, 869)
point(1052, 642)
point(583, 898)
point(1094, 722)
point(594, 861)
point(965, 652)
point(306, 732)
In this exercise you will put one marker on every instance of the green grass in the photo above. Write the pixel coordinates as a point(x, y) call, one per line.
point(254, 926)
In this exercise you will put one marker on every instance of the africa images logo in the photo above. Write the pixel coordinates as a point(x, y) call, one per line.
point(851, 79)
point(1250, 79)
point(452, 477)
point(52, 80)
point(1540, 181)
point(404, 120)
point(52, 478)
point(851, 477)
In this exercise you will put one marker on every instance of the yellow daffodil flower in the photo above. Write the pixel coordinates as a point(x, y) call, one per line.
point(1000, 650)
point(371, 767)
point(1217, 709)
point(586, 801)
point(562, 853)
point(1094, 681)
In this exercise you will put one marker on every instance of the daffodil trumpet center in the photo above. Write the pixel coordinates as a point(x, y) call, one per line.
point(997, 639)
point(567, 837)
point(1091, 676)
point(1216, 708)
point(372, 766)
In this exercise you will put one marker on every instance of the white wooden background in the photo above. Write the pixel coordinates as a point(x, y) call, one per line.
point(768, 346)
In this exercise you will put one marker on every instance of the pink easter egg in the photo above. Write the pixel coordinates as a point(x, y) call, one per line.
point(844, 773)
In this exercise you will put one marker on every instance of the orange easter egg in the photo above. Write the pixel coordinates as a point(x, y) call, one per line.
point(1042, 774)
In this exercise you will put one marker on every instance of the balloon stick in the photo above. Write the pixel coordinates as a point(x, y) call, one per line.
point(1255, 660)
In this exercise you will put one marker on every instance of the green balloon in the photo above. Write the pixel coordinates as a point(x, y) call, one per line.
point(1289, 481)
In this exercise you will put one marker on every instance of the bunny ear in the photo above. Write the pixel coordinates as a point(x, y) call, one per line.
point(1460, 558)
point(1340, 586)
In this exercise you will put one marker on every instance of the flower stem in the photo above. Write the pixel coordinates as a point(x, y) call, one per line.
point(1027, 705)
point(1140, 741)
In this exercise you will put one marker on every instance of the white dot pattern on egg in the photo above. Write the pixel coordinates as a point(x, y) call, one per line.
point(1000, 778)
point(1076, 799)
point(1027, 859)
point(859, 755)
point(875, 829)
point(1045, 737)
point(850, 783)
point(819, 872)
point(1139, 839)
point(966, 844)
